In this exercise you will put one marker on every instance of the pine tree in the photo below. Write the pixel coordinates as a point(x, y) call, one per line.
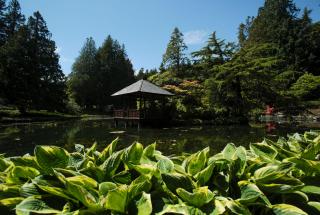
point(17, 78)
point(50, 78)
point(274, 22)
point(81, 80)
point(215, 53)
point(114, 71)
point(174, 57)
point(14, 19)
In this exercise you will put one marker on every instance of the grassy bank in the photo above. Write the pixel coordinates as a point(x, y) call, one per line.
point(13, 115)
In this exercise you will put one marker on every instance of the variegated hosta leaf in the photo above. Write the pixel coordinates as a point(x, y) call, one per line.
point(144, 204)
point(133, 154)
point(264, 151)
point(108, 151)
point(196, 162)
point(181, 209)
point(285, 209)
point(37, 206)
point(49, 157)
point(197, 198)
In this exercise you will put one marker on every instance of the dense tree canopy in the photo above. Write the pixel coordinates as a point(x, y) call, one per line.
point(275, 63)
point(30, 74)
point(97, 73)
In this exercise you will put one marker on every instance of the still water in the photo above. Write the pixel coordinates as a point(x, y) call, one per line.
point(19, 139)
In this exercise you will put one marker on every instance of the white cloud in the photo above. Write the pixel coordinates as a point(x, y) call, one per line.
point(195, 37)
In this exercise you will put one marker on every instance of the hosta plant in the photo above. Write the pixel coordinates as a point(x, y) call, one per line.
point(281, 178)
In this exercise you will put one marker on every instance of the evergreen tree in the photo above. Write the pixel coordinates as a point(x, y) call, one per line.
point(243, 33)
point(248, 81)
point(14, 19)
point(215, 53)
point(174, 57)
point(81, 80)
point(274, 22)
point(17, 79)
point(45, 65)
point(2, 22)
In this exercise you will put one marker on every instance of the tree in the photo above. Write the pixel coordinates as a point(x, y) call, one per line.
point(274, 22)
point(307, 87)
point(248, 81)
point(174, 57)
point(2, 22)
point(81, 80)
point(115, 70)
point(17, 78)
point(243, 33)
point(49, 78)
point(215, 53)
point(14, 19)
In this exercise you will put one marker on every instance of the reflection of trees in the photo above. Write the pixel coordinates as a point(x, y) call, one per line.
point(7, 132)
point(70, 135)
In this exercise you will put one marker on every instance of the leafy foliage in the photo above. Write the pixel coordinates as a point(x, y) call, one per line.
point(271, 177)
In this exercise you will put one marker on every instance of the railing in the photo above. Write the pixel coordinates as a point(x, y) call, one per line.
point(129, 114)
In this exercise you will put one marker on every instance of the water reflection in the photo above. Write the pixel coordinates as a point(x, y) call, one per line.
point(21, 139)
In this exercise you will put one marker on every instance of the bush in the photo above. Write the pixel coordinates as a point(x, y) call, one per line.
point(269, 178)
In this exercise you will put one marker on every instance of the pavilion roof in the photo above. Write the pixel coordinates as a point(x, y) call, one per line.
point(142, 86)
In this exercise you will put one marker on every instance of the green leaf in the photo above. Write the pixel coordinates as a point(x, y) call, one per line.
point(144, 204)
point(165, 165)
point(19, 172)
point(315, 205)
point(204, 175)
point(133, 153)
point(229, 151)
point(267, 174)
point(116, 199)
point(285, 209)
point(198, 198)
point(309, 189)
point(32, 205)
point(84, 181)
point(87, 197)
point(56, 191)
point(250, 193)
point(29, 189)
point(109, 150)
point(196, 162)
point(10, 202)
point(149, 150)
point(139, 185)
point(180, 209)
point(105, 187)
point(264, 151)
point(175, 180)
point(112, 163)
point(49, 157)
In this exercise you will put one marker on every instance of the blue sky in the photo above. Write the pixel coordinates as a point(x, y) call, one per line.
point(144, 26)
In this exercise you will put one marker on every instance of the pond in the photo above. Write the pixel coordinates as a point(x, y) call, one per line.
point(19, 139)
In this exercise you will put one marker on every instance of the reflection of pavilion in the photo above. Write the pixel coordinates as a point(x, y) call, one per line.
point(138, 100)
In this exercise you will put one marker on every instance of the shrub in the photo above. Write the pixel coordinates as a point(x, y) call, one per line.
point(269, 178)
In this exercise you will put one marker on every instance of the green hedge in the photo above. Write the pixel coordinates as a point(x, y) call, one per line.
point(269, 178)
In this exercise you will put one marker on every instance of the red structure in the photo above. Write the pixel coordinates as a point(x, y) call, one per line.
point(269, 110)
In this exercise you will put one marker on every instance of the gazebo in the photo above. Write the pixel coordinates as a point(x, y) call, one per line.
point(137, 101)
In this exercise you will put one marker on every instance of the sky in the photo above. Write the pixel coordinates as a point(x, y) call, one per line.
point(143, 26)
